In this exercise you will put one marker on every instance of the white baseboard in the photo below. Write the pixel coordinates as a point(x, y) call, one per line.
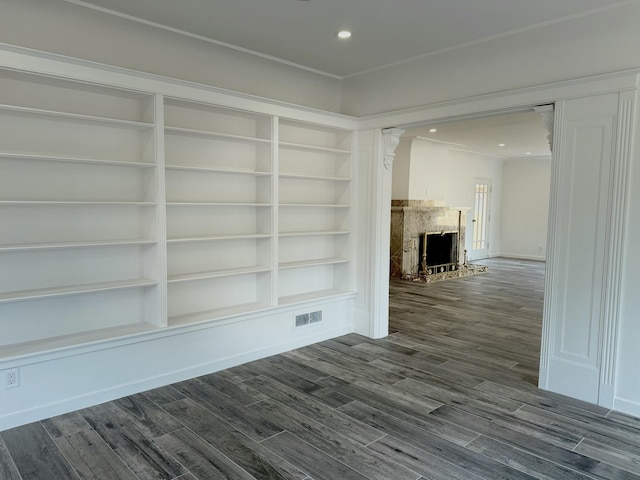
point(630, 407)
point(65, 384)
point(517, 256)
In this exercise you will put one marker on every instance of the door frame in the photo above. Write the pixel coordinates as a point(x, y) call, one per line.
point(505, 102)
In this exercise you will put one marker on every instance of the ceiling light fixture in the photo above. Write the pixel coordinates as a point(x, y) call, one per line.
point(527, 153)
point(344, 34)
point(433, 130)
point(501, 144)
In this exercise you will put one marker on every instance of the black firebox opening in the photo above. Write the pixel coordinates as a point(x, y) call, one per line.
point(442, 249)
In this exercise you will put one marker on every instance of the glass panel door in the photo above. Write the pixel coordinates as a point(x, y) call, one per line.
point(481, 219)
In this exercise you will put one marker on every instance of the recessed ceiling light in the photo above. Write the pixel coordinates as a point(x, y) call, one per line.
point(501, 144)
point(527, 153)
point(433, 130)
point(344, 34)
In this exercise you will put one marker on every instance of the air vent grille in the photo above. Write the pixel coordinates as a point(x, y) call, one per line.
point(303, 319)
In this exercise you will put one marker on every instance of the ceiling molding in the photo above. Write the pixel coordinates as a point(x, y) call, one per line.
point(479, 41)
point(202, 38)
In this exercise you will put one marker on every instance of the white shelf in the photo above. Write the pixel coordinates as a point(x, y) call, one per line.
point(71, 203)
point(75, 117)
point(320, 205)
point(53, 245)
point(216, 274)
point(216, 314)
point(311, 263)
point(216, 204)
point(218, 170)
point(211, 238)
point(300, 176)
point(306, 297)
point(74, 290)
point(222, 136)
point(48, 158)
point(66, 341)
point(314, 148)
point(314, 233)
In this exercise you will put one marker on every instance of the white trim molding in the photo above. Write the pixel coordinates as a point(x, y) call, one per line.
point(614, 261)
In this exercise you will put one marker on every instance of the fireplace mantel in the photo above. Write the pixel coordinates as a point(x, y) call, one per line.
point(412, 218)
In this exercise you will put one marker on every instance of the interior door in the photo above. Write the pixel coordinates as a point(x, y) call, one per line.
point(481, 219)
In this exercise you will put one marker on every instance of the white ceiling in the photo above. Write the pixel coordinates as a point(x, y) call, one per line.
point(521, 133)
point(302, 32)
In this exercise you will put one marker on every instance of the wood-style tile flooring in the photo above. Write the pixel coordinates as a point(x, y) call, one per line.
point(450, 394)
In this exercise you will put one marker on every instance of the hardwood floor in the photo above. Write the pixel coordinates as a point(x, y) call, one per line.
point(450, 394)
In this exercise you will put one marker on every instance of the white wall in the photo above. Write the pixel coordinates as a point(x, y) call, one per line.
point(585, 46)
point(446, 176)
point(525, 207)
point(59, 27)
point(596, 44)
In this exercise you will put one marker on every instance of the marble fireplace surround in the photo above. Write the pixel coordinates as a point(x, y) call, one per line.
point(410, 219)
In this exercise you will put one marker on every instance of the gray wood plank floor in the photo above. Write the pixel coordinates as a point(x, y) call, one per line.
point(450, 394)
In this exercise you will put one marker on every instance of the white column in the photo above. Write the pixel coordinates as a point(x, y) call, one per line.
point(376, 152)
point(584, 269)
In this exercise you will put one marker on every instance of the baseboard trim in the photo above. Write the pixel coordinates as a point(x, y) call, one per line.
point(629, 407)
point(40, 412)
point(517, 256)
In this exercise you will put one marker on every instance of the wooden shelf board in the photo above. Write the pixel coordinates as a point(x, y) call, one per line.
point(47, 246)
point(300, 146)
point(299, 176)
point(216, 314)
point(247, 236)
point(312, 263)
point(74, 290)
point(186, 277)
point(228, 171)
point(317, 205)
point(315, 233)
point(317, 295)
point(69, 203)
point(76, 117)
point(216, 204)
point(222, 136)
point(89, 161)
point(61, 342)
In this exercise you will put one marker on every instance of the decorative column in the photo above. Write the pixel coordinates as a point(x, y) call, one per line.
point(547, 113)
point(390, 139)
point(376, 151)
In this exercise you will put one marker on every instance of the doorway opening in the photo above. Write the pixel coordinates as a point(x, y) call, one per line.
point(496, 169)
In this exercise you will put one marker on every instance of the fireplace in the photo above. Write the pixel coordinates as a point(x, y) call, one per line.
point(445, 229)
point(439, 252)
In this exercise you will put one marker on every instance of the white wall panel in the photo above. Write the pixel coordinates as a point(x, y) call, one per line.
point(585, 156)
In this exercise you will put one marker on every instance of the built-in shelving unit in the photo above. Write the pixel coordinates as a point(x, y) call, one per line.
point(314, 226)
point(124, 212)
point(220, 210)
point(78, 211)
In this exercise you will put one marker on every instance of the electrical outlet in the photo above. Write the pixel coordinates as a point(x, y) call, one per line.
point(11, 378)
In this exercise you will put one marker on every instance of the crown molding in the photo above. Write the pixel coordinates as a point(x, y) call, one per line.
point(505, 102)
